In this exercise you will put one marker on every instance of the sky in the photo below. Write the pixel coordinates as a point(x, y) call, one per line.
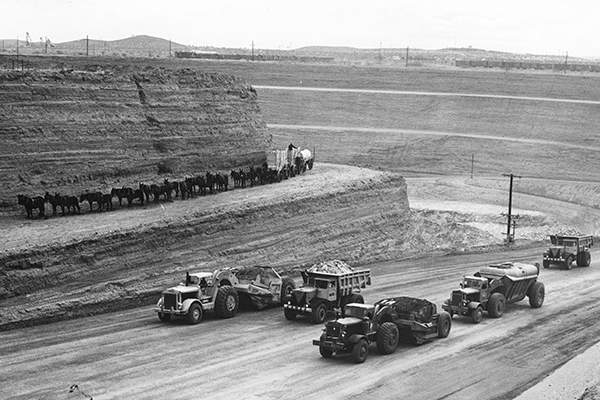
point(548, 27)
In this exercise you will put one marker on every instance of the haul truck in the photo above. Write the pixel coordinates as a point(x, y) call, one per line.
point(326, 287)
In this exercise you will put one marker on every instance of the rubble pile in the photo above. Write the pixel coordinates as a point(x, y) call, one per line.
point(331, 267)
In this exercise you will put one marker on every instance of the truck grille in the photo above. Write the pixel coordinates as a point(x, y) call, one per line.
point(457, 299)
point(170, 301)
point(333, 331)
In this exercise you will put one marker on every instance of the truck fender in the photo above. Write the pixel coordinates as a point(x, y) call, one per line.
point(352, 340)
point(187, 303)
point(474, 304)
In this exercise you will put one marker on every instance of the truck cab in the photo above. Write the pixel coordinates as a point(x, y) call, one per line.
point(567, 250)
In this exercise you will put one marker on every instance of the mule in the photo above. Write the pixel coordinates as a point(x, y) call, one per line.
point(31, 204)
point(91, 198)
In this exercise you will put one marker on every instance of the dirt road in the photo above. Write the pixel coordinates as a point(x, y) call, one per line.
point(259, 354)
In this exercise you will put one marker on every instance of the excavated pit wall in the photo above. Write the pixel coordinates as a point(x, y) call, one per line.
point(125, 269)
point(67, 131)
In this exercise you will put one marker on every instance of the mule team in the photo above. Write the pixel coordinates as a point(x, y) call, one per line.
point(144, 193)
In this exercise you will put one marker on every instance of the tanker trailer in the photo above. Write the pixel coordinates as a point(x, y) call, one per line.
point(494, 286)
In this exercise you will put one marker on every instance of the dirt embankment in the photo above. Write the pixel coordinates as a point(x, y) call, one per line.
point(66, 130)
point(66, 267)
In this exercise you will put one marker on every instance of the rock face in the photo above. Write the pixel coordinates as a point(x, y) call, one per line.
point(70, 130)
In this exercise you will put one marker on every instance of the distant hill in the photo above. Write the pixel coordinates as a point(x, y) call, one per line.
point(149, 46)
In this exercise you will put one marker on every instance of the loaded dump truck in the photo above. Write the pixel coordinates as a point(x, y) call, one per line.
point(566, 250)
point(327, 286)
point(201, 292)
point(384, 323)
point(494, 286)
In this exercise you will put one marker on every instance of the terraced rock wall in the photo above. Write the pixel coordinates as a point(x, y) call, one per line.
point(70, 130)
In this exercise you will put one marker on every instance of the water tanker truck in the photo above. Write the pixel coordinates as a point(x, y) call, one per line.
point(326, 286)
point(494, 286)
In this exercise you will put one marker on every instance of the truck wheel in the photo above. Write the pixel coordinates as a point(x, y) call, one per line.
point(290, 315)
point(495, 306)
point(477, 315)
point(546, 263)
point(360, 351)
point(387, 338)
point(584, 259)
point(164, 317)
point(444, 324)
point(569, 262)
point(194, 314)
point(356, 298)
point(310, 165)
point(287, 287)
point(536, 294)
point(227, 302)
point(325, 352)
point(319, 313)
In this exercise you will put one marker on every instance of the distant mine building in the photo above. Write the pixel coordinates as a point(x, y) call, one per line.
point(213, 55)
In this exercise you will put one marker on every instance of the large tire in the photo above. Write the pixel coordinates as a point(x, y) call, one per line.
point(318, 314)
point(477, 315)
point(387, 338)
point(360, 351)
point(495, 306)
point(290, 315)
point(287, 287)
point(444, 324)
point(325, 351)
point(569, 262)
point(536, 294)
point(584, 259)
point(194, 314)
point(227, 302)
point(164, 317)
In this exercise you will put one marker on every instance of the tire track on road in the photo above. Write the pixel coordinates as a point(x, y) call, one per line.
point(432, 133)
point(437, 94)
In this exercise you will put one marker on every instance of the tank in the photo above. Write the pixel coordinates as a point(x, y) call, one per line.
point(306, 154)
point(513, 270)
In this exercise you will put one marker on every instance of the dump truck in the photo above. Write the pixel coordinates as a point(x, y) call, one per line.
point(201, 292)
point(327, 287)
point(566, 250)
point(261, 286)
point(385, 323)
point(494, 286)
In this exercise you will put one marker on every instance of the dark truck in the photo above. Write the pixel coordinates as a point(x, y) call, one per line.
point(385, 323)
point(494, 286)
point(565, 250)
point(327, 286)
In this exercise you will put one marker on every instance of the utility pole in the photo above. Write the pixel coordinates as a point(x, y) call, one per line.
point(508, 236)
point(472, 162)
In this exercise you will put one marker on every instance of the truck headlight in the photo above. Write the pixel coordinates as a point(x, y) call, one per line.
point(160, 302)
